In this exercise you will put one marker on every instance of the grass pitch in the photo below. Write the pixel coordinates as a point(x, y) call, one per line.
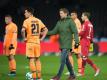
point(50, 66)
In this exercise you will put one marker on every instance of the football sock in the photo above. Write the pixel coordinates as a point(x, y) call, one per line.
point(12, 64)
point(33, 68)
point(83, 65)
point(91, 64)
point(38, 68)
point(79, 60)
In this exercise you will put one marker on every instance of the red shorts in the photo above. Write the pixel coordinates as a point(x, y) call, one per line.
point(85, 45)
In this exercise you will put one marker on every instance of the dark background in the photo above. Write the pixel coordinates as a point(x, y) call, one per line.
point(47, 11)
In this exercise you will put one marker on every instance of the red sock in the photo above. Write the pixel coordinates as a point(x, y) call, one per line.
point(91, 64)
point(83, 66)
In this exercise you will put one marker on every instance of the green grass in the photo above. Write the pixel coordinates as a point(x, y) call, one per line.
point(50, 66)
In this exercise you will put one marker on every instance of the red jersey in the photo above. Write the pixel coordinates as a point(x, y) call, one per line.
point(87, 30)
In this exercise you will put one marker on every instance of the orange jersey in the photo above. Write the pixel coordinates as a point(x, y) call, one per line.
point(9, 34)
point(33, 27)
point(78, 24)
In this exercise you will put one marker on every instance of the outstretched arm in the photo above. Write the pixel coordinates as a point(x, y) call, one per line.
point(54, 31)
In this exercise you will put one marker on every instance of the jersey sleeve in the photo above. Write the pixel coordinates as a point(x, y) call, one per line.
point(74, 30)
point(83, 29)
point(42, 25)
point(54, 31)
point(15, 29)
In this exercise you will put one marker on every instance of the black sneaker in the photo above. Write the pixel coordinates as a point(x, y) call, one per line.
point(12, 74)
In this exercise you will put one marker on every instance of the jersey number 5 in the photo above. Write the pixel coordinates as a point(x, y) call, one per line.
point(35, 29)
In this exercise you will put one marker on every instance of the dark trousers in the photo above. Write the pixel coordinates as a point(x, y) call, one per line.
point(65, 60)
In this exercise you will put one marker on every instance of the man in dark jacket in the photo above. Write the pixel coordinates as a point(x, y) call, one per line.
point(65, 27)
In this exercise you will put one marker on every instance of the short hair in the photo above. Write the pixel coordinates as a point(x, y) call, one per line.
point(74, 12)
point(87, 14)
point(30, 9)
point(8, 15)
point(64, 10)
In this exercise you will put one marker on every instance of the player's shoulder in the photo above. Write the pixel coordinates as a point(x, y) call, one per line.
point(37, 19)
point(34, 19)
point(77, 20)
point(89, 24)
point(86, 22)
point(13, 25)
point(26, 20)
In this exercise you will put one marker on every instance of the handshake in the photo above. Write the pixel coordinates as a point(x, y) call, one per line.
point(76, 45)
point(11, 47)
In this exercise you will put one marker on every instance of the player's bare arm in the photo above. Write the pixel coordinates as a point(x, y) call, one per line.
point(43, 33)
point(23, 33)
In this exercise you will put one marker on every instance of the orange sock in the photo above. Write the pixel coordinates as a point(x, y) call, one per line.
point(12, 65)
point(71, 60)
point(79, 60)
point(32, 68)
point(38, 67)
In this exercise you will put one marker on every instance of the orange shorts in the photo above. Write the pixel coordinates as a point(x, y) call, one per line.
point(32, 50)
point(77, 50)
point(8, 52)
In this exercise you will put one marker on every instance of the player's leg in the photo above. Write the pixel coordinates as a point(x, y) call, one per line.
point(12, 62)
point(84, 56)
point(62, 64)
point(31, 57)
point(12, 65)
point(38, 62)
point(32, 67)
point(38, 68)
point(90, 62)
point(79, 59)
point(83, 65)
point(70, 69)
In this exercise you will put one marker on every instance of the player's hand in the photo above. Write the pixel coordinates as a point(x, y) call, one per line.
point(11, 47)
point(76, 45)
